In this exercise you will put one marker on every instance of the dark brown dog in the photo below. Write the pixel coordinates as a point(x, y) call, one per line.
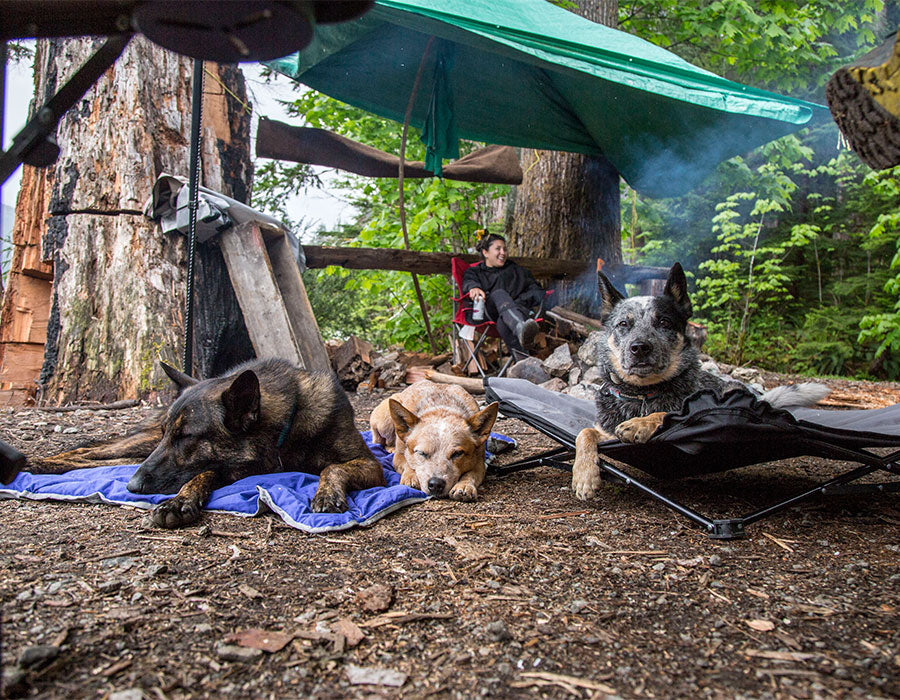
point(263, 416)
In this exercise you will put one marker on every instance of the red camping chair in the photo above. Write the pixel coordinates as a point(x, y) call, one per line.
point(484, 330)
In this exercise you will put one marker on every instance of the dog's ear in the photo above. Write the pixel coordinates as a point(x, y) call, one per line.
point(482, 422)
point(241, 402)
point(404, 419)
point(609, 295)
point(182, 380)
point(676, 289)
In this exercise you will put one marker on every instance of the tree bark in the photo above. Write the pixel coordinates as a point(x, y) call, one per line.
point(568, 204)
point(119, 283)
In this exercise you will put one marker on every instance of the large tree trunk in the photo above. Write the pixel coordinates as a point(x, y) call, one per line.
point(568, 204)
point(119, 283)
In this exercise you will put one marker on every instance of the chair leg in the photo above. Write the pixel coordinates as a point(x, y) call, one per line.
point(475, 362)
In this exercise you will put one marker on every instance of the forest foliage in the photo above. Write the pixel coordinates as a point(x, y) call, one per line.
point(792, 250)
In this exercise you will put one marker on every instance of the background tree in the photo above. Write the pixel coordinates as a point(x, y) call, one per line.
point(568, 204)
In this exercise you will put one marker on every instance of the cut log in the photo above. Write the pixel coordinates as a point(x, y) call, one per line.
point(586, 323)
point(353, 362)
point(470, 384)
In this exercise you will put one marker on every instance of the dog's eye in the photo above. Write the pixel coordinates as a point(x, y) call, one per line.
point(423, 455)
point(457, 454)
point(623, 325)
point(665, 324)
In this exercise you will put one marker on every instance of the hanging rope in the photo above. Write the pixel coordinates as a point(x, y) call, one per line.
point(415, 278)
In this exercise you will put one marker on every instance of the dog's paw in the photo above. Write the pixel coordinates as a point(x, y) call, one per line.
point(464, 492)
point(638, 430)
point(586, 479)
point(328, 501)
point(409, 478)
point(176, 512)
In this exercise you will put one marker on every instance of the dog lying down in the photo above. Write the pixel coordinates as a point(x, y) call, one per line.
point(649, 369)
point(438, 435)
point(261, 417)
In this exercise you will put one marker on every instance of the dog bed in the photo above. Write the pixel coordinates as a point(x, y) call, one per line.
point(714, 434)
point(288, 493)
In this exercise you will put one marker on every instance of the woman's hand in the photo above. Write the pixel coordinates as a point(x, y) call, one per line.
point(476, 292)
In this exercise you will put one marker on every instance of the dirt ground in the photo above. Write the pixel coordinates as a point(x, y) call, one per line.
point(526, 593)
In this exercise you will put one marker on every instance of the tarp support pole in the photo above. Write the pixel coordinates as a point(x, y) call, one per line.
point(35, 133)
point(194, 197)
point(415, 278)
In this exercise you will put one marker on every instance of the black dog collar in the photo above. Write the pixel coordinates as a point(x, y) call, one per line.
point(287, 426)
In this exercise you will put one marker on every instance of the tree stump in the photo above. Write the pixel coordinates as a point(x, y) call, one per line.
point(119, 283)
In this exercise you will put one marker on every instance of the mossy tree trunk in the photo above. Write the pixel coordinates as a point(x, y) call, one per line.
point(119, 283)
point(568, 204)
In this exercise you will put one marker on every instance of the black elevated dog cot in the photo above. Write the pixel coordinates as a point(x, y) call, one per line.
point(712, 434)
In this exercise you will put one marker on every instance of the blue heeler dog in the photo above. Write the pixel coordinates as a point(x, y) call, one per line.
point(649, 369)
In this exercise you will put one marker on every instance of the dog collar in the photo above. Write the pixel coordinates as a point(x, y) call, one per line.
point(611, 390)
point(287, 427)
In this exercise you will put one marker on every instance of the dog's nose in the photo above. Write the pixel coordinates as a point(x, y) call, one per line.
point(640, 349)
point(436, 486)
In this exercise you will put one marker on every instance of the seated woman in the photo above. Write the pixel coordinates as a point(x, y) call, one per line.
point(510, 292)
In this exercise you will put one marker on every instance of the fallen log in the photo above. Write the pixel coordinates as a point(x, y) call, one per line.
point(429, 263)
point(471, 384)
point(585, 322)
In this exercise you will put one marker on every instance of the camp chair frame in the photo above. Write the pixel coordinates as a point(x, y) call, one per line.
point(807, 437)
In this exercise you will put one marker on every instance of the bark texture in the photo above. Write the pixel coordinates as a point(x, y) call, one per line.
point(568, 204)
point(119, 283)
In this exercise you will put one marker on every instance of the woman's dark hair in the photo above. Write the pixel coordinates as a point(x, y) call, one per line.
point(486, 239)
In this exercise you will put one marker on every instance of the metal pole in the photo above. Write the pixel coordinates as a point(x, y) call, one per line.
point(194, 196)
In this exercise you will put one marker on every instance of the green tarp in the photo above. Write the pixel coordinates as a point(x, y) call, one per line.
point(527, 73)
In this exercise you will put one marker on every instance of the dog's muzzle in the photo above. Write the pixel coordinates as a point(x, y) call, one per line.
point(436, 486)
point(137, 483)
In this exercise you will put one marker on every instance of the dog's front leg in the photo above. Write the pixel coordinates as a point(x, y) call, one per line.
point(466, 488)
point(408, 476)
point(639, 429)
point(185, 508)
point(337, 479)
point(586, 470)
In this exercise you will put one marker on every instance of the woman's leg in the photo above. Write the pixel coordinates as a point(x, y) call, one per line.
point(513, 322)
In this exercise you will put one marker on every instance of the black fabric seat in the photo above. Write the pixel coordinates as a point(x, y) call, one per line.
point(709, 435)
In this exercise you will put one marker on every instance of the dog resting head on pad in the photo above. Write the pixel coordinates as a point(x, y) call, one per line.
point(438, 435)
point(260, 417)
point(649, 368)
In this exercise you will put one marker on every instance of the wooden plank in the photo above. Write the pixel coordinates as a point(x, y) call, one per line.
point(258, 293)
point(302, 319)
point(28, 309)
point(33, 265)
point(21, 364)
point(428, 263)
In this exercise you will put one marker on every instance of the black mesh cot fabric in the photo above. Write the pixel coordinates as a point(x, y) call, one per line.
point(712, 434)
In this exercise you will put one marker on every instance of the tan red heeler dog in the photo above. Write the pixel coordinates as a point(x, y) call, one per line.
point(438, 435)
